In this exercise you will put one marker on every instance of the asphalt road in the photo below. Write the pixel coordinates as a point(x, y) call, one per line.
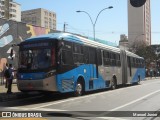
point(136, 102)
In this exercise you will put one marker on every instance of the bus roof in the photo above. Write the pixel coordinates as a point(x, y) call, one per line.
point(73, 38)
point(77, 39)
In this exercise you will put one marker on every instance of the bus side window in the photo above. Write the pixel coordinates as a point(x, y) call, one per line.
point(77, 48)
point(137, 63)
point(86, 54)
point(99, 57)
point(67, 51)
point(67, 46)
point(133, 62)
point(92, 55)
point(113, 59)
point(142, 63)
point(118, 63)
point(106, 58)
point(129, 65)
point(78, 54)
point(65, 59)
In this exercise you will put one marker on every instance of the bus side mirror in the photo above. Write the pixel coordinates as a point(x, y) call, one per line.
point(11, 54)
point(137, 3)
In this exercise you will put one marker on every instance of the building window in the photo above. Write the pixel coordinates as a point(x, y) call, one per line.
point(46, 13)
point(2, 2)
point(46, 24)
point(2, 13)
point(50, 25)
point(34, 22)
point(33, 18)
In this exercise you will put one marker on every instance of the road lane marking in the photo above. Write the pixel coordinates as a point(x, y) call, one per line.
point(39, 109)
point(82, 97)
point(18, 108)
point(134, 101)
point(122, 106)
point(86, 114)
point(88, 96)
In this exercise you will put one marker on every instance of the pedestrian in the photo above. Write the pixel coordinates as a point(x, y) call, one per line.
point(10, 79)
point(6, 75)
point(158, 73)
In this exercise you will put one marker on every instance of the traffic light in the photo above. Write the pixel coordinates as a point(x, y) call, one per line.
point(137, 3)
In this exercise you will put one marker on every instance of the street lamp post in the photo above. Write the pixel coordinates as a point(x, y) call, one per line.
point(94, 23)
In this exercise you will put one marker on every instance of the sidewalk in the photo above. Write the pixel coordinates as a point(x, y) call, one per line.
point(4, 90)
point(153, 78)
point(7, 97)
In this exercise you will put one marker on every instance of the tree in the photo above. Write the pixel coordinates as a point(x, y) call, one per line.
point(147, 52)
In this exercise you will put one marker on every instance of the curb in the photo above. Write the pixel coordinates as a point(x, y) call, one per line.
point(8, 97)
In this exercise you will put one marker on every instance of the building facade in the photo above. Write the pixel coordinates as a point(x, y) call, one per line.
point(13, 32)
point(139, 24)
point(40, 17)
point(9, 9)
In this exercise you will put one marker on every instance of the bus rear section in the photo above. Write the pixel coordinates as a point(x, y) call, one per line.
point(133, 68)
point(37, 66)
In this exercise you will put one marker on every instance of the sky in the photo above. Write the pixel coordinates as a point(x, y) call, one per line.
point(110, 25)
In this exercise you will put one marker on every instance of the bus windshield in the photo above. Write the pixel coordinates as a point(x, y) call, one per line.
point(35, 59)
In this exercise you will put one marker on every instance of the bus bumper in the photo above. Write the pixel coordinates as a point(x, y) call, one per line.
point(47, 84)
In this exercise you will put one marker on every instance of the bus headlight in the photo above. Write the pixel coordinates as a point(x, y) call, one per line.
point(49, 74)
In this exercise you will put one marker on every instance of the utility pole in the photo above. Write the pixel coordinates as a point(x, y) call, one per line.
point(64, 27)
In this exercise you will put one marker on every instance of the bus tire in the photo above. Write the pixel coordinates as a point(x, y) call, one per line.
point(79, 88)
point(113, 83)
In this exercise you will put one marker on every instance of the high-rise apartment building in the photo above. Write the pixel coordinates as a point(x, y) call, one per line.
point(139, 24)
point(40, 17)
point(9, 9)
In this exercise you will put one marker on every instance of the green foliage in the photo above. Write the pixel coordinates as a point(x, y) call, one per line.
point(147, 52)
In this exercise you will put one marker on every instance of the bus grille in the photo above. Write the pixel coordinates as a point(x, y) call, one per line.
point(67, 85)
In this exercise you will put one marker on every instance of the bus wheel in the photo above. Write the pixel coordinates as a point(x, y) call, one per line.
point(113, 84)
point(79, 89)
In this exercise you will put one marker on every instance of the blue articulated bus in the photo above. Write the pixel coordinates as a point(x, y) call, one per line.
point(63, 62)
